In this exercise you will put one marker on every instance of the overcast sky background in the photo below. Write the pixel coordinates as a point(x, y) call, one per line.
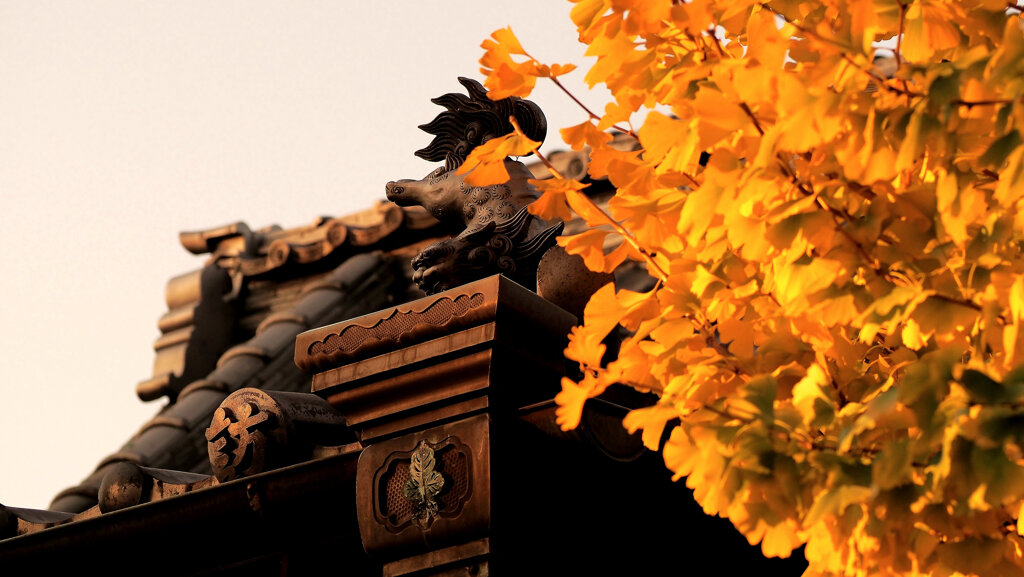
point(124, 123)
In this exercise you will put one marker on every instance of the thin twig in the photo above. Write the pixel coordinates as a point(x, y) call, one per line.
point(577, 101)
point(690, 177)
point(718, 45)
point(803, 30)
point(973, 103)
point(590, 112)
point(838, 216)
point(750, 114)
point(883, 82)
point(899, 34)
point(626, 234)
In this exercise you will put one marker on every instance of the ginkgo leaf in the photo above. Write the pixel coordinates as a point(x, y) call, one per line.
point(505, 80)
point(767, 43)
point(652, 420)
point(583, 206)
point(586, 346)
point(809, 397)
point(584, 134)
point(738, 336)
point(586, 12)
point(570, 404)
point(504, 76)
point(929, 29)
point(589, 245)
point(552, 203)
point(603, 312)
point(892, 466)
point(835, 501)
point(669, 143)
point(485, 165)
point(552, 71)
point(504, 39)
point(793, 282)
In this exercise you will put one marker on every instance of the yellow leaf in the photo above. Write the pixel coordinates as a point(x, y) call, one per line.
point(586, 13)
point(669, 143)
point(834, 502)
point(585, 347)
point(583, 206)
point(486, 163)
point(505, 80)
point(652, 420)
point(506, 39)
point(637, 307)
point(698, 212)
point(584, 134)
point(553, 71)
point(552, 203)
point(614, 113)
point(887, 312)
point(716, 111)
point(681, 454)
point(618, 255)
point(702, 279)
point(738, 335)
point(1017, 300)
point(505, 77)
point(977, 499)
point(571, 399)
point(603, 312)
point(780, 540)
point(912, 335)
point(794, 282)
point(570, 404)
point(960, 209)
point(626, 165)
point(810, 399)
point(1020, 519)
point(929, 28)
point(766, 45)
point(588, 244)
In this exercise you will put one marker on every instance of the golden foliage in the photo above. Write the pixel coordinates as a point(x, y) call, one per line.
point(840, 285)
point(486, 163)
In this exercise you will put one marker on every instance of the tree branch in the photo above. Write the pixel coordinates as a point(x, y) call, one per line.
point(623, 231)
point(590, 112)
point(899, 35)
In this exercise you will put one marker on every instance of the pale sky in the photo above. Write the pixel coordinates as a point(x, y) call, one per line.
point(124, 123)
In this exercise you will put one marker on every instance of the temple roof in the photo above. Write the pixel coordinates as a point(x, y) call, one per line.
point(239, 341)
point(232, 324)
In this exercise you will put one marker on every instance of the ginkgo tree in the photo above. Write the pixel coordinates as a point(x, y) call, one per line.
point(835, 334)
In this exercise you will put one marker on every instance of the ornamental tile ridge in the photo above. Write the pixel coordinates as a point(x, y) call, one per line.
point(239, 249)
point(177, 424)
point(420, 320)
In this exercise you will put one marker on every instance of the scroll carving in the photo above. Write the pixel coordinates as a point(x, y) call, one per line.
point(400, 323)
